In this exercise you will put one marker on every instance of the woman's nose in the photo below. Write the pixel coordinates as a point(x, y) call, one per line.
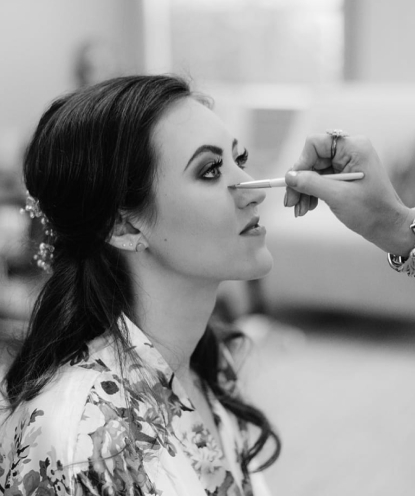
point(244, 197)
point(256, 196)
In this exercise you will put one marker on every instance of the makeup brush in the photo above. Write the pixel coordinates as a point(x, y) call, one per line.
point(279, 182)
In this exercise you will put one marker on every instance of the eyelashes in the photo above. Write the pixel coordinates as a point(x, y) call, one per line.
point(242, 159)
point(213, 171)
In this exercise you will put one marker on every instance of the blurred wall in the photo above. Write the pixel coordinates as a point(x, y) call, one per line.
point(39, 41)
point(379, 41)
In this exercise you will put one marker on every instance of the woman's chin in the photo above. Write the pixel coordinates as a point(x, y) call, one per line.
point(261, 268)
point(264, 269)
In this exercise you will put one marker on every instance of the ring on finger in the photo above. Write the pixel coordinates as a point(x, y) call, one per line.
point(335, 135)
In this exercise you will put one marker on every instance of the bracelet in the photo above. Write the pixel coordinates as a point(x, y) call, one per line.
point(404, 264)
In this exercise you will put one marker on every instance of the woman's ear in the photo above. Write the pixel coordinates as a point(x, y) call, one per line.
point(125, 236)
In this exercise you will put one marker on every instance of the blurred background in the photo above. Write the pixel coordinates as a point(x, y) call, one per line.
point(333, 326)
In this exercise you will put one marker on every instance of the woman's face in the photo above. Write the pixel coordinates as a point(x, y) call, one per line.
point(204, 229)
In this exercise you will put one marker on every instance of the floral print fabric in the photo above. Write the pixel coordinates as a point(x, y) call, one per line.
point(95, 431)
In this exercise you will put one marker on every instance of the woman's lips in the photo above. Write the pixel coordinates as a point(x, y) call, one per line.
point(254, 231)
point(251, 226)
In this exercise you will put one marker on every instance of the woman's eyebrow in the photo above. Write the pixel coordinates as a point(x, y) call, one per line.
point(209, 148)
point(202, 149)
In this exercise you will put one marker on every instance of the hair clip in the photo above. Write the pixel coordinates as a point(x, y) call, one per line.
point(44, 255)
point(32, 207)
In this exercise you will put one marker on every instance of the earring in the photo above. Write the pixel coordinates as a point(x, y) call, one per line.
point(140, 247)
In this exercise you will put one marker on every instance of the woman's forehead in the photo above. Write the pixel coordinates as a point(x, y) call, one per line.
point(185, 126)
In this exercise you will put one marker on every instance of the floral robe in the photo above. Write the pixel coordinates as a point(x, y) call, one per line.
point(93, 432)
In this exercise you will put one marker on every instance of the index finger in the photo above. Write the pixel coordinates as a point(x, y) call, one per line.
point(316, 153)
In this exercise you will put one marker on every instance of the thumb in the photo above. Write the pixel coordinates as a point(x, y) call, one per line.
point(313, 184)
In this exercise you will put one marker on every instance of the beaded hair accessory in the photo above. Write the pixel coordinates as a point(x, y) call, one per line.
point(44, 255)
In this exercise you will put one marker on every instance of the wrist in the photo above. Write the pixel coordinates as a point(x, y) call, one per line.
point(400, 238)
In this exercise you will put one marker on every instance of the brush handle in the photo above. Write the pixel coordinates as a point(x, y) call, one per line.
point(279, 182)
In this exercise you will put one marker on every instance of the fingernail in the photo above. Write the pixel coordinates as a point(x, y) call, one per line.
point(293, 173)
point(285, 199)
point(297, 210)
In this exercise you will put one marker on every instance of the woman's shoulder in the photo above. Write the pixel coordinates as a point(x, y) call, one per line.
point(42, 439)
point(37, 440)
point(52, 416)
point(53, 411)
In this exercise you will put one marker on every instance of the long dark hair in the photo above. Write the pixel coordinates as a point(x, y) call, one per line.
point(91, 158)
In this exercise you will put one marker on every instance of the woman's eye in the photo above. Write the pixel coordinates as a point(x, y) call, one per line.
point(213, 172)
point(242, 159)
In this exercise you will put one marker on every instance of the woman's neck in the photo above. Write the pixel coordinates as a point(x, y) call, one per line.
point(173, 311)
